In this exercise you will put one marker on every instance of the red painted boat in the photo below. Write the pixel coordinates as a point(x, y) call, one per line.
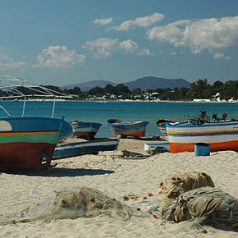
point(28, 142)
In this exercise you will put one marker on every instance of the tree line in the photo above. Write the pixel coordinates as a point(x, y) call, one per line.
point(199, 89)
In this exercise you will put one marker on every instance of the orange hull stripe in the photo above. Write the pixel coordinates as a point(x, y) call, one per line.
point(136, 134)
point(189, 147)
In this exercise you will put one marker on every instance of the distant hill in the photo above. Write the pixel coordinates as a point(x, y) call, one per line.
point(149, 82)
point(86, 86)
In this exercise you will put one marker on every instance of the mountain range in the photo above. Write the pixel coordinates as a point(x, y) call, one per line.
point(144, 83)
point(86, 86)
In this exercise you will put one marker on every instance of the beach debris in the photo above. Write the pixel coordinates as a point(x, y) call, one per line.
point(130, 196)
point(128, 153)
point(72, 204)
point(175, 185)
point(158, 150)
point(207, 205)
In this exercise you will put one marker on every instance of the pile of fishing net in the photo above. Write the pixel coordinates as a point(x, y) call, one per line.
point(177, 184)
point(189, 196)
point(71, 204)
point(185, 196)
point(194, 196)
point(206, 204)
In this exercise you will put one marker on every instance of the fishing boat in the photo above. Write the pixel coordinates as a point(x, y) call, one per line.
point(85, 130)
point(201, 118)
point(28, 142)
point(219, 135)
point(124, 129)
point(81, 148)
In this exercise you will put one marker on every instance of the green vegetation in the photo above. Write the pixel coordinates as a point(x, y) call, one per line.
point(199, 89)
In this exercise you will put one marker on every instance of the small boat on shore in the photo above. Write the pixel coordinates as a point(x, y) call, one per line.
point(85, 130)
point(85, 147)
point(201, 118)
point(219, 135)
point(124, 129)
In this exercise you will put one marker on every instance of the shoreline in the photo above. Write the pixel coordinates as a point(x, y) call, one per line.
point(126, 100)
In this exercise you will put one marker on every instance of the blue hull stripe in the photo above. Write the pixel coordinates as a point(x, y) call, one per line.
point(202, 125)
point(208, 134)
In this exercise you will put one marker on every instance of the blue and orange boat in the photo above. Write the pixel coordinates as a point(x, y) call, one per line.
point(124, 129)
point(219, 136)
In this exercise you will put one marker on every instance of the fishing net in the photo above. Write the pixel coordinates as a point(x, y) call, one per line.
point(175, 185)
point(187, 196)
point(82, 202)
point(210, 205)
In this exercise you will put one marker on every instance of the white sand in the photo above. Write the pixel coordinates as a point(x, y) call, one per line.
point(116, 177)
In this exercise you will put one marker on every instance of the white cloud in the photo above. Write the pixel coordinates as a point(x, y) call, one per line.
point(102, 48)
point(105, 47)
point(103, 21)
point(58, 57)
point(204, 34)
point(7, 63)
point(145, 51)
point(131, 47)
point(128, 46)
point(140, 22)
point(218, 55)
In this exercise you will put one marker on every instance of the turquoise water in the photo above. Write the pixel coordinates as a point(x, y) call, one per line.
point(129, 111)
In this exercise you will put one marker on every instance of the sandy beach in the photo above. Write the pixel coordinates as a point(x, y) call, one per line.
point(116, 177)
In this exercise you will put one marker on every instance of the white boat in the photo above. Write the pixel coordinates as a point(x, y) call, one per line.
point(219, 135)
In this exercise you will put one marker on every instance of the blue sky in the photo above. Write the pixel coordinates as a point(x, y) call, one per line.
point(63, 42)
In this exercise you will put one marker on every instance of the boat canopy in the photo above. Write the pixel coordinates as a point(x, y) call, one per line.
point(17, 87)
point(14, 88)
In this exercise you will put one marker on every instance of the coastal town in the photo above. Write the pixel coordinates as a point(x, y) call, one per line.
point(198, 91)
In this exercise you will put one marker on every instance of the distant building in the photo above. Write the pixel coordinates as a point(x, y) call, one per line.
point(201, 100)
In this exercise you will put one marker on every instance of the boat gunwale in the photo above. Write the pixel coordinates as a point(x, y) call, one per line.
point(210, 124)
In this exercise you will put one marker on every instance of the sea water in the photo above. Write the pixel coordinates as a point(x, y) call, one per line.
point(126, 111)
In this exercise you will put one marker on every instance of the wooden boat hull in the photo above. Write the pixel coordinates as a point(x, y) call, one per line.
point(124, 129)
point(139, 133)
point(189, 147)
point(26, 155)
point(28, 142)
point(85, 130)
point(81, 148)
point(220, 136)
